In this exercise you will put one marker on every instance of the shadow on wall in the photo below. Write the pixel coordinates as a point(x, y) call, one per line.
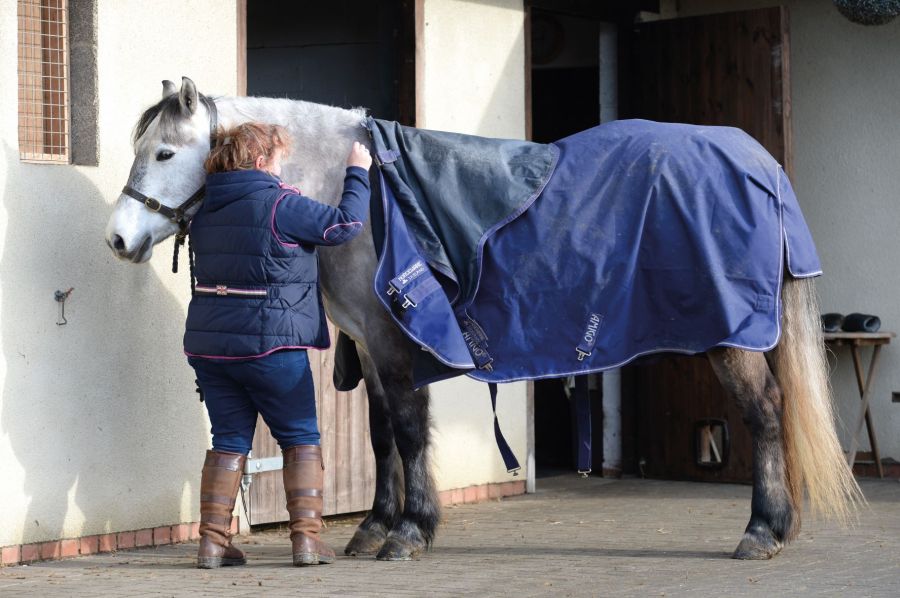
point(100, 413)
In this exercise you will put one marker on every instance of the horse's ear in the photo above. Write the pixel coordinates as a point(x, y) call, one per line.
point(188, 97)
point(168, 88)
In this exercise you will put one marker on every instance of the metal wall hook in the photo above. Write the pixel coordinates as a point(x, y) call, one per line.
point(61, 297)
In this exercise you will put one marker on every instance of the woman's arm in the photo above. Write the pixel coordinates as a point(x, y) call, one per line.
point(300, 219)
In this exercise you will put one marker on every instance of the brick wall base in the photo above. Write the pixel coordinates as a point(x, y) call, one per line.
point(471, 494)
point(889, 467)
point(21, 554)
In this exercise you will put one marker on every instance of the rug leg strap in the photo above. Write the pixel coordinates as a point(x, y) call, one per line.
point(509, 459)
point(583, 423)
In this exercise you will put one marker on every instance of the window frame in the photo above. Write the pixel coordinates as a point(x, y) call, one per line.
point(44, 84)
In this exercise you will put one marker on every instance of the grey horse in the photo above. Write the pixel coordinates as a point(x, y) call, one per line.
point(784, 393)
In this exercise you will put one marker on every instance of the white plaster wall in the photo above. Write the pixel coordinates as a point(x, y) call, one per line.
point(474, 82)
point(845, 85)
point(100, 429)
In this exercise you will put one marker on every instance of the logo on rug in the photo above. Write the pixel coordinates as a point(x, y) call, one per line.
point(589, 338)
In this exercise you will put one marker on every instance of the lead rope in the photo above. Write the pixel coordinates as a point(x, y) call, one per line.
point(191, 261)
point(179, 241)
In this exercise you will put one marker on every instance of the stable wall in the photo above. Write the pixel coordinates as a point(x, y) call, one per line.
point(845, 85)
point(100, 429)
point(472, 80)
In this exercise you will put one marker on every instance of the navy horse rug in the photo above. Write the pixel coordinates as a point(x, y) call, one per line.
point(509, 260)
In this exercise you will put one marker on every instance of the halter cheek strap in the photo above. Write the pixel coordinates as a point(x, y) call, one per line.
point(178, 215)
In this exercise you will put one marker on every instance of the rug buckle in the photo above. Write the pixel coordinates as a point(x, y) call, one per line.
point(582, 354)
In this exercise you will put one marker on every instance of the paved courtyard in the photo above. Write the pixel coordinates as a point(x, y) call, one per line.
point(574, 537)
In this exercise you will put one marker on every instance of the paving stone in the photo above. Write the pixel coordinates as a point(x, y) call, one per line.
point(574, 537)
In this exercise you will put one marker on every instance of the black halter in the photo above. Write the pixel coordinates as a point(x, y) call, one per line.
point(178, 214)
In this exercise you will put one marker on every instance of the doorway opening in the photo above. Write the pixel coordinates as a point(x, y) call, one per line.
point(348, 53)
point(565, 99)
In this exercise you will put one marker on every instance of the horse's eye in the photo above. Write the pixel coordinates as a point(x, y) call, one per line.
point(164, 155)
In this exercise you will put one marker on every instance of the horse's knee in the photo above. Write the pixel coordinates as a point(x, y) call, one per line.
point(410, 422)
point(381, 434)
point(410, 444)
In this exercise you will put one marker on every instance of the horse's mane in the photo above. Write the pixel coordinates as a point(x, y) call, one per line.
point(170, 116)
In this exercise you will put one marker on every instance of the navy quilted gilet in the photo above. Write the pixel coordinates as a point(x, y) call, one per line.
point(261, 293)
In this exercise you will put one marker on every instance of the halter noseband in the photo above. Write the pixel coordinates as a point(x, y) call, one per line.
point(178, 214)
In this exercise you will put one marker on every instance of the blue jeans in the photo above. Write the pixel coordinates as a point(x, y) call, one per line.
point(278, 386)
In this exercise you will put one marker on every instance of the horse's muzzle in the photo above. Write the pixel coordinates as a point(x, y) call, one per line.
point(141, 253)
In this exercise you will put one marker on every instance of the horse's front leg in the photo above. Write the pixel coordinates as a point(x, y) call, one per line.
point(388, 503)
point(406, 503)
point(774, 518)
point(414, 530)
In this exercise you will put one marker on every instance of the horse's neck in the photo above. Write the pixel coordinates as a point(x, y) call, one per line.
point(322, 137)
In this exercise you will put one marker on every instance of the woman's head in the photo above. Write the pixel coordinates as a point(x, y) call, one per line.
point(249, 146)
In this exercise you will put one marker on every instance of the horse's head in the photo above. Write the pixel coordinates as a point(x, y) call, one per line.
point(171, 142)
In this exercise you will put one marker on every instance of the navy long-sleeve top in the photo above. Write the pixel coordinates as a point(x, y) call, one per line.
point(300, 219)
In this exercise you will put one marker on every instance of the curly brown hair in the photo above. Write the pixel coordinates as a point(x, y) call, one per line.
point(238, 148)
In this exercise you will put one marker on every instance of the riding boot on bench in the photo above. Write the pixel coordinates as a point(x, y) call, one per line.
point(304, 478)
point(218, 491)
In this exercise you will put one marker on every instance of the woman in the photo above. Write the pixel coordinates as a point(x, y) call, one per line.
point(255, 311)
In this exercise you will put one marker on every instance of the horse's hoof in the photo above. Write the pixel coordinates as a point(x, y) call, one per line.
point(395, 549)
point(757, 547)
point(365, 541)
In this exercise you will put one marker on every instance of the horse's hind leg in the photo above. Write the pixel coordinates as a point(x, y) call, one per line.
point(388, 503)
point(747, 378)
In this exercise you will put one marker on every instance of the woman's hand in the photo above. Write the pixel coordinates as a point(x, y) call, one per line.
point(359, 156)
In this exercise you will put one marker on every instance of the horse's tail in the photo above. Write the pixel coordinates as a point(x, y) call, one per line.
point(814, 458)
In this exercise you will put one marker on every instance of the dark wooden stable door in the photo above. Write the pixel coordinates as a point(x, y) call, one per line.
point(727, 69)
point(346, 450)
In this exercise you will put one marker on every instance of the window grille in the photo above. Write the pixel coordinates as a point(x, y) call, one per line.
point(43, 81)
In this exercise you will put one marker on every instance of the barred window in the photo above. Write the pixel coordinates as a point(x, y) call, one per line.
point(43, 81)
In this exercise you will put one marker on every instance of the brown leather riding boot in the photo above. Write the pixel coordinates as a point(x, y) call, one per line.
point(304, 477)
point(218, 492)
